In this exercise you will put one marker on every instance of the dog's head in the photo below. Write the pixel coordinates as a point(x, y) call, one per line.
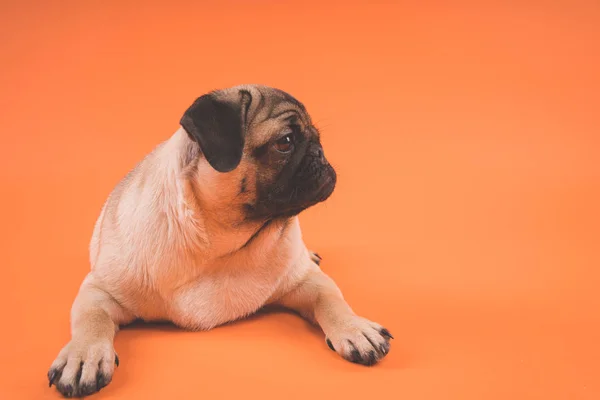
point(263, 145)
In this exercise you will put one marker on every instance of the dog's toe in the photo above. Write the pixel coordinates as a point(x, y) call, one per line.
point(360, 341)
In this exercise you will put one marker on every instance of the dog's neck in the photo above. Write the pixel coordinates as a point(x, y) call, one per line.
point(225, 228)
point(206, 201)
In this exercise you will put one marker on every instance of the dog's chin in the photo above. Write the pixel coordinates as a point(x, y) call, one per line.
point(326, 188)
point(321, 192)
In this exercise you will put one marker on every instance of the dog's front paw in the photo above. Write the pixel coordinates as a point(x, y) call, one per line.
point(83, 368)
point(359, 340)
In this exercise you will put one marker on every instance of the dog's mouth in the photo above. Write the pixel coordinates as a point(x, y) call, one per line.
point(296, 197)
point(326, 187)
point(317, 191)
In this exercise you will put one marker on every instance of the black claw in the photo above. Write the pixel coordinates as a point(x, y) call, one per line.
point(367, 359)
point(116, 360)
point(384, 348)
point(355, 357)
point(318, 256)
point(67, 391)
point(386, 333)
point(330, 345)
point(102, 380)
point(86, 389)
point(372, 359)
point(78, 377)
point(51, 377)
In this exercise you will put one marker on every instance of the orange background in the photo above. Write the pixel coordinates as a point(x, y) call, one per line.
point(466, 219)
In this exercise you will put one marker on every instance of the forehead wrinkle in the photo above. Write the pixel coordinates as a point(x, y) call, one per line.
point(270, 115)
point(284, 105)
point(263, 131)
point(286, 115)
point(257, 107)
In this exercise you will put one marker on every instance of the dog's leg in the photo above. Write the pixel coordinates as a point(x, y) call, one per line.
point(86, 364)
point(319, 300)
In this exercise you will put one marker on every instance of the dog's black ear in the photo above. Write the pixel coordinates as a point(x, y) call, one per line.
point(218, 126)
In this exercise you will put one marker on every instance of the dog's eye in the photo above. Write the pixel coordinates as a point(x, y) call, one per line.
point(285, 144)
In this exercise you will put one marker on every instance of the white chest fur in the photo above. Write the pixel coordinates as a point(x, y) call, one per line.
point(240, 284)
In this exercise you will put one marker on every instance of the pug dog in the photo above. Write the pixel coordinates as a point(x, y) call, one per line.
point(205, 231)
